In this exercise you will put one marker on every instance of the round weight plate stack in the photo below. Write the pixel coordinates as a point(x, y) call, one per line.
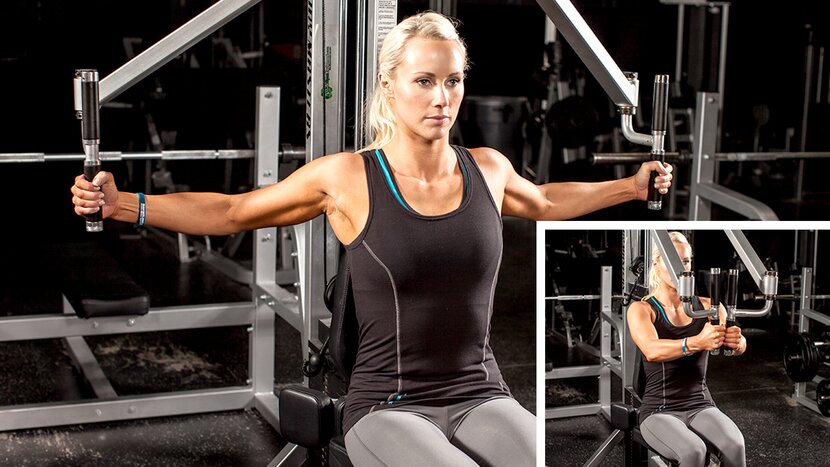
point(801, 358)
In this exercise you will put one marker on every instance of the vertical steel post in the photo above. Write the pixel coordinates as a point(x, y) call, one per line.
point(325, 130)
point(704, 143)
point(261, 338)
point(605, 342)
point(805, 303)
point(632, 249)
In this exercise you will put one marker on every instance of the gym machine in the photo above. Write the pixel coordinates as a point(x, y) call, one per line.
point(638, 244)
point(705, 155)
point(622, 88)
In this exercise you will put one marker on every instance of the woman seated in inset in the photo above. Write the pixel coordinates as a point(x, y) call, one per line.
point(678, 418)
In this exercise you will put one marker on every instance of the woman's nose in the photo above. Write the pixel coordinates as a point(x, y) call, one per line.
point(442, 98)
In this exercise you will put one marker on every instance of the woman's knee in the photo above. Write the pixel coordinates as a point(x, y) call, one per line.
point(733, 452)
point(692, 453)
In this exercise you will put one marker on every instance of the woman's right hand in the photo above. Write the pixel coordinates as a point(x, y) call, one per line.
point(710, 337)
point(101, 193)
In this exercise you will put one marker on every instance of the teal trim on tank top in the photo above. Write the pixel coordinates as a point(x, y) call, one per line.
point(389, 181)
point(388, 176)
point(660, 307)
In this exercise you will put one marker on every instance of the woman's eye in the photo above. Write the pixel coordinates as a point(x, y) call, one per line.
point(454, 82)
point(423, 82)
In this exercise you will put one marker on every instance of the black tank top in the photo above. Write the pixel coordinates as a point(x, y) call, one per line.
point(423, 291)
point(680, 384)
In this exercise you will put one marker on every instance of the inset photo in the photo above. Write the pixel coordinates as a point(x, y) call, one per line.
point(690, 347)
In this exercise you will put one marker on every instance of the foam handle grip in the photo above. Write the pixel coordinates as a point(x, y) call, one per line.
point(659, 116)
point(731, 299)
point(715, 321)
point(90, 171)
point(660, 107)
point(655, 199)
point(727, 351)
point(90, 125)
point(714, 286)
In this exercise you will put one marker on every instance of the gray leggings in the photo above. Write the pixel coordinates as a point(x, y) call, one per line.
point(684, 436)
point(498, 432)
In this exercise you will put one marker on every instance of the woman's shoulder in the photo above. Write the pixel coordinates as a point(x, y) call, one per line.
point(491, 161)
point(639, 306)
point(485, 155)
point(349, 162)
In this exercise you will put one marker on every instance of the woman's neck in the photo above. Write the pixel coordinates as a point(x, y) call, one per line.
point(421, 159)
point(668, 296)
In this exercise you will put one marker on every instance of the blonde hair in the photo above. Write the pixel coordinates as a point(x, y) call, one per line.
point(429, 25)
point(653, 279)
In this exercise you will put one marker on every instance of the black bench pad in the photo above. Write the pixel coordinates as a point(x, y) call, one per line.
point(95, 284)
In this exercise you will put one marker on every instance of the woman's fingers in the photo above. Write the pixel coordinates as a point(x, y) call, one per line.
point(84, 193)
point(89, 197)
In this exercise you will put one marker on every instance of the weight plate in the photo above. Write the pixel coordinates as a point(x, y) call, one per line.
point(823, 397)
point(801, 358)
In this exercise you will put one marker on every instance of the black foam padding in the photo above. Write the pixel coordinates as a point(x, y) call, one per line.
point(95, 284)
point(623, 417)
point(306, 417)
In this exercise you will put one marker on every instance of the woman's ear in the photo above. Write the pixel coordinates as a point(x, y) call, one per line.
point(386, 84)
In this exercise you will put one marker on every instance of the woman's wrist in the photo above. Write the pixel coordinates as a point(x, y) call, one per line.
point(126, 207)
point(692, 345)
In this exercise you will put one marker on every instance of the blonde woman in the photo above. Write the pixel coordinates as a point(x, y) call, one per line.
point(678, 417)
point(421, 221)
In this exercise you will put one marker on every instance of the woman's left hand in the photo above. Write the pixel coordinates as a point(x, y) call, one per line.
point(642, 177)
point(732, 338)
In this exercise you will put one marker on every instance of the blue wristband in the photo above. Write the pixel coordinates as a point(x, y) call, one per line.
point(683, 348)
point(142, 209)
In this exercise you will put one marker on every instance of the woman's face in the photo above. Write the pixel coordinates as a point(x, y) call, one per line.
point(427, 88)
point(684, 250)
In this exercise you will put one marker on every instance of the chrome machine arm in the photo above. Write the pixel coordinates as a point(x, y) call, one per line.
point(90, 93)
point(622, 88)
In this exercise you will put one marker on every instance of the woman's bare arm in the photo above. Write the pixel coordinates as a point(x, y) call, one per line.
point(307, 193)
point(564, 200)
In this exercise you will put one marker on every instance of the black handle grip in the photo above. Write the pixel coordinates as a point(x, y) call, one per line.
point(90, 125)
point(660, 107)
point(90, 171)
point(731, 299)
point(714, 286)
point(654, 198)
point(727, 351)
point(659, 117)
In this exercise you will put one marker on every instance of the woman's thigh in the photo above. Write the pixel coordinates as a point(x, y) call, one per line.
point(720, 431)
point(399, 438)
point(499, 432)
point(671, 438)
